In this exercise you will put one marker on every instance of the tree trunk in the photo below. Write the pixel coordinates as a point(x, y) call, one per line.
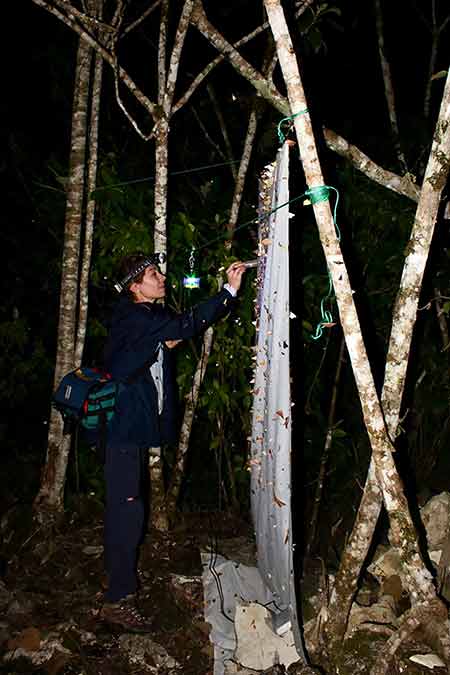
point(389, 89)
point(167, 78)
point(417, 252)
point(404, 316)
point(415, 576)
point(90, 206)
point(50, 498)
point(161, 181)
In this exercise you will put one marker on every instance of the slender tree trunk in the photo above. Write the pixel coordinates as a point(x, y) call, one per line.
point(415, 576)
point(90, 208)
point(402, 185)
point(161, 182)
point(167, 78)
point(417, 252)
point(242, 171)
point(50, 498)
point(158, 514)
point(389, 89)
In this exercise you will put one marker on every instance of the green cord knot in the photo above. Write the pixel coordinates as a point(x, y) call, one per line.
point(288, 120)
point(320, 193)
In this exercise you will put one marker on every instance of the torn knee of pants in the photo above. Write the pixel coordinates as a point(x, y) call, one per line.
point(130, 499)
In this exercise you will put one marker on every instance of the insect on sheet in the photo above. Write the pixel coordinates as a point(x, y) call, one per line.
point(271, 429)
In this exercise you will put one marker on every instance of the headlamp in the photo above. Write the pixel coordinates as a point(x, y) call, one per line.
point(155, 259)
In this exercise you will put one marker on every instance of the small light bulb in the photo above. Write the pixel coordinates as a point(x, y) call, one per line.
point(191, 282)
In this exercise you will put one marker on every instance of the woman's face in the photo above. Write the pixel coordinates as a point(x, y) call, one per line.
point(151, 288)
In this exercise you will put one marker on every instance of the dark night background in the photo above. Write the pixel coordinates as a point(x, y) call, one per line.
point(343, 82)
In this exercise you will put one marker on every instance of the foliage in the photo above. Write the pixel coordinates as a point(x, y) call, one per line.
point(312, 22)
point(124, 226)
point(25, 380)
point(224, 401)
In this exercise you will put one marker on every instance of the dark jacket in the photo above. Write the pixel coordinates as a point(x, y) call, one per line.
point(136, 331)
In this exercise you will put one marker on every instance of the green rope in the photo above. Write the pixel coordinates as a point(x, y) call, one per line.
point(253, 221)
point(321, 193)
point(287, 120)
point(314, 195)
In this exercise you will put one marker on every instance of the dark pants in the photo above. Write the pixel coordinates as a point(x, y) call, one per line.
point(124, 520)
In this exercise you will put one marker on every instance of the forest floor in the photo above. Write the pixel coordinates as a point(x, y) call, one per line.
point(52, 587)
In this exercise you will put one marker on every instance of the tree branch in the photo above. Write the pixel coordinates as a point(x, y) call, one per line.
point(140, 19)
point(205, 72)
point(180, 36)
point(264, 87)
point(73, 12)
point(107, 56)
point(207, 135)
point(403, 185)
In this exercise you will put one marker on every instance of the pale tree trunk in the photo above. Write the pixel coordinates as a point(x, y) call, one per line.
point(417, 580)
point(417, 252)
point(389, 89)
point(50, 498)
point(167, 77)
point(158, 514)
point(90, 205)
point(404, 317)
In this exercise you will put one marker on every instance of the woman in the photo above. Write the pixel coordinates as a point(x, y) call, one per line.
point(142, 332)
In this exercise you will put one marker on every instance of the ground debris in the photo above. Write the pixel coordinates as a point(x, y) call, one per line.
point(144, 652)
point(51, 594)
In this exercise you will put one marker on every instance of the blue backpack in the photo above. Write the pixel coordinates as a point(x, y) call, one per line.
point(86, 396)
